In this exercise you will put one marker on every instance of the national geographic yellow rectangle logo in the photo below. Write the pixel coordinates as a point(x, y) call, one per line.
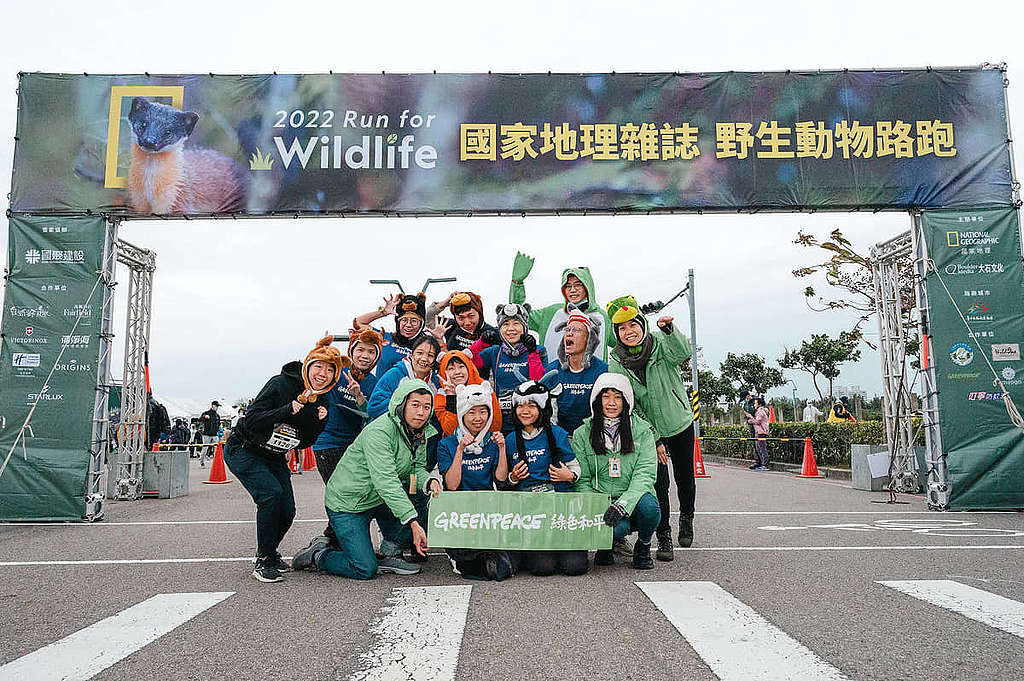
point(176, 93)
point(953, 239)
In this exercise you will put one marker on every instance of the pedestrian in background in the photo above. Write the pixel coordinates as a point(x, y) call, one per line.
point(759, 422)
point(210, 427)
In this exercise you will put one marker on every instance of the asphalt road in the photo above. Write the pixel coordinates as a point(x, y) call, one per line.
point(790, 567)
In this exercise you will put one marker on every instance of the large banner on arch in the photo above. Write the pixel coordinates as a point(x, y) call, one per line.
point(429, 144)
point(976, 320)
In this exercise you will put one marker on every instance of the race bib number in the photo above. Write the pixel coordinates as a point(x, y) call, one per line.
point(505, 400)
point(284, 438)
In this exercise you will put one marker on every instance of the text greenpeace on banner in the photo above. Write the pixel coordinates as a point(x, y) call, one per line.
point(977, 253)
point(527, 521)
point(427, 144)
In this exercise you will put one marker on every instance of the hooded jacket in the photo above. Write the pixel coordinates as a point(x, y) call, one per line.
point(272, 407)
point(377, 467)
point(638, 469)
point(661, 397)
point(544, 320)
point(445, 405)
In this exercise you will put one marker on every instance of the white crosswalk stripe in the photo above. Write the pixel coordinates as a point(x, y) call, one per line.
point(419, 635)
point(89, 651)
point(981, 606)
point(732, 639)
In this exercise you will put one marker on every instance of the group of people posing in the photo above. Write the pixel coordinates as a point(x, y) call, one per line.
point(568, 397)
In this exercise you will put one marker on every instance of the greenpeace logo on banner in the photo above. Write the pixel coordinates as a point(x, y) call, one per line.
point(40, 311)
point(1005, 352)
point(46, 256)
point(75, 341)
point(24, 359)
point(970, 268)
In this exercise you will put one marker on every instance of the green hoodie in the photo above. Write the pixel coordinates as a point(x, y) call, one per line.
point(544, 320)
point(661, 399)
point(376, 467)
point(639, 468)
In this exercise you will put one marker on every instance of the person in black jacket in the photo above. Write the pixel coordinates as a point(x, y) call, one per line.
point(210, 421)
point(286, 415)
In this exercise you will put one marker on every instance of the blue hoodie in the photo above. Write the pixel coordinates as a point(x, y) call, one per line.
point(574, 401)
point(391, 353)
point(386, 384)
point(345, 418)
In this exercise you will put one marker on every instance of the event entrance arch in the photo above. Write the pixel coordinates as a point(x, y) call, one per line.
point(93, 150)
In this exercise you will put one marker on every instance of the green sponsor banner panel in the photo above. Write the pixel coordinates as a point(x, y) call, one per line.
point(527, 521)
point(432, 144)
point(977, 253)
point(53, 263)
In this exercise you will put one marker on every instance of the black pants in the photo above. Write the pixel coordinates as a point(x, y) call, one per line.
point(680, 452)
point(269, 482)
point(544, 563)
point(326, 461)
point(472, 563)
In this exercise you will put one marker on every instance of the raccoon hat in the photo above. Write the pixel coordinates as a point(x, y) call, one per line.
point(467, 397)
point(367, 336)
point(591, 321)
point(323, 352)
point(415, 306)
point(520, 313)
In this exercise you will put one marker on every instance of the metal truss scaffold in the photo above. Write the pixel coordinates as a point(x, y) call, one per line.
point(886, 260)
point(131, 433)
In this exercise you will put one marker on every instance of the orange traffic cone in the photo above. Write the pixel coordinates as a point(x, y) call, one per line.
point(698, 461)
point(293, 463)
point(771, 414)
point(156, 446)
point(810, 469)
point(308, 460)
point(218, 473)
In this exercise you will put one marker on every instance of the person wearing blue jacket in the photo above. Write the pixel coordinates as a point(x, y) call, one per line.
point(542, 460)
point(473, 459)
point(420, 364)
point(576, 369)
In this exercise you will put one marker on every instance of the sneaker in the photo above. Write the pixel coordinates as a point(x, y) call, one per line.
point(685, 532)
point(499, 566)
point(642, 556)
point(394, 565)
point(665, 551)
point(278, 562)
point(413, 556)
point(264, 571)
point(623, 548)
point(306, 558)
point(605, 557)
point(762, 468)
point(753, 466)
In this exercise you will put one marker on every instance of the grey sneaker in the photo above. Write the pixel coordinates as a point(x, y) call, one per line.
point(264, 571)
point(623, 548)
point(394, 565)
point(306, 558)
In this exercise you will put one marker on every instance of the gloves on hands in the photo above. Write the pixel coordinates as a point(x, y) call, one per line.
point(490, 337)
point(521, 267)
point(530, 342)
point(614, 515)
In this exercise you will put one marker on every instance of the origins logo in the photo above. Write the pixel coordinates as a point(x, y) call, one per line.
point(962, 354)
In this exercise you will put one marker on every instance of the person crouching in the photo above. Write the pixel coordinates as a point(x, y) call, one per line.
point(286, 415)
point(617, 456)
point(378, 479)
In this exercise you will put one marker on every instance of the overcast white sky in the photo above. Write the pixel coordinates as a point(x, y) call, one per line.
point(235, 300)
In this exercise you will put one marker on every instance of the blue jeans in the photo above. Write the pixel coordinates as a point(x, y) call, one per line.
point(643, 520)
point(355, 557)
point(269, 482)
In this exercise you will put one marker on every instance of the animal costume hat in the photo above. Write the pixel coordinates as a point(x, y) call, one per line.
point(323, 352)
point(367, 336)
point(593, 323)
point(634, 358)
point(415, 306)
point(544, 398)
point(467, 300)
point(467, 397)
point(521, 313)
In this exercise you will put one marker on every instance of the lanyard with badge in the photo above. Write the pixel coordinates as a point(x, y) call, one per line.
point(614, 467)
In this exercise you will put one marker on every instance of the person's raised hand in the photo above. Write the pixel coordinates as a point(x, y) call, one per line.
point(521, 267)
point(321, 413)
point(296, 407)
point(665, 321)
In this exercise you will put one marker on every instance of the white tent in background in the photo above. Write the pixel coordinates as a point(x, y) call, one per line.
point(186, 408)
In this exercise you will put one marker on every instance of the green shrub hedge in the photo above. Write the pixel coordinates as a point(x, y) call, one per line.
point(831, 441)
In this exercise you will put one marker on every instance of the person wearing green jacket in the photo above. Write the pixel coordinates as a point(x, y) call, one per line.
point(578, 294)
point(617, 456)
point(377, 479)
point(651, 361)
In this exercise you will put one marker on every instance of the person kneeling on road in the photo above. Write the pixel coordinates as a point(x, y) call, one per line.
point(286, 415)
point(378, 479)
point(617, 456)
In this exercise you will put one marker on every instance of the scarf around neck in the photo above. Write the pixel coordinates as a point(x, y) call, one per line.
point(636, 358)
point(611, 433)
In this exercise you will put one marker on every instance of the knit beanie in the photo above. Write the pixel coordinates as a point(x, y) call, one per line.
point(467, 397)
point(592, 322)
point(520, 313)
point(323, 352)
point(367, 336)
